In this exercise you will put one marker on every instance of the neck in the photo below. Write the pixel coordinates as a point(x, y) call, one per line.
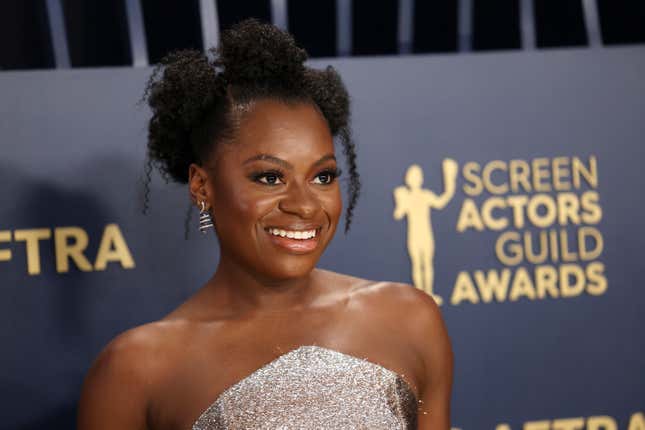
point(241, 290)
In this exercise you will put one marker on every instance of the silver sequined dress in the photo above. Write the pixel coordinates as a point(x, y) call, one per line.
point(312, 387)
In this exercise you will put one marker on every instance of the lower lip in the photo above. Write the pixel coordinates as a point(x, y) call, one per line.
point(298, 246)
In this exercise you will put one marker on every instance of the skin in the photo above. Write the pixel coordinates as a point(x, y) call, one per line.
point(263, 300)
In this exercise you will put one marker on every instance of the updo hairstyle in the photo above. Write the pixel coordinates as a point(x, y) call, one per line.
point(194, 99)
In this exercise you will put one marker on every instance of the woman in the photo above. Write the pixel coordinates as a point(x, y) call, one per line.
point(270, 341)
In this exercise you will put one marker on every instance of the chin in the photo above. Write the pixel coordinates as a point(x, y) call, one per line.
point(289, 269)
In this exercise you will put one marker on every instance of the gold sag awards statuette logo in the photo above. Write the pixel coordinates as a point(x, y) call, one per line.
point(69, 244)
point(416, 203)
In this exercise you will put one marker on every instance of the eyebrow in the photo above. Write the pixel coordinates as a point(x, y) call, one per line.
point(283, 163)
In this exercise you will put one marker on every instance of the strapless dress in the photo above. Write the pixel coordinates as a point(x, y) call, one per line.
point(313, 387)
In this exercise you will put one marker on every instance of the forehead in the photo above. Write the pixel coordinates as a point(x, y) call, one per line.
point(281, 129)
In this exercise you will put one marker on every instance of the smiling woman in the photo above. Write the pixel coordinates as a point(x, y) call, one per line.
point(270, 341)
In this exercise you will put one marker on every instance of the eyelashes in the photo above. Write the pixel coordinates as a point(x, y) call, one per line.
point(333, 174)
point(274, 177)
point(267, 177)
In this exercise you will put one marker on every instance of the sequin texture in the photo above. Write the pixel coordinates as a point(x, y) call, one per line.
point(313, 387)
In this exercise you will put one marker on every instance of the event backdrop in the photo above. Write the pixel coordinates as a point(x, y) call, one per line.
point(511, 184)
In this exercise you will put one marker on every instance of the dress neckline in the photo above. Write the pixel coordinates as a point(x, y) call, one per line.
point(406, 385)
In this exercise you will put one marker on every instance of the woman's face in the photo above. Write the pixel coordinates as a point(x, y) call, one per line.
point(273, 190)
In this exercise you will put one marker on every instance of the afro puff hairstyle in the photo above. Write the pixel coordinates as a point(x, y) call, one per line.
point(193, 99)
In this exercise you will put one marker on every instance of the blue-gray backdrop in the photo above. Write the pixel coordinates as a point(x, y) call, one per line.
point(549, 147)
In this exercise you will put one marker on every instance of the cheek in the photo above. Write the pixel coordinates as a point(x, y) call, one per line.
point(241, 203)
point(333, 204)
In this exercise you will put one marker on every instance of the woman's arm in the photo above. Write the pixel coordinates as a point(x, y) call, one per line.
point(114, 393)
point(434, 344)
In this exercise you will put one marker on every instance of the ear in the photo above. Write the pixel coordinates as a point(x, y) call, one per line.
point(198, 185)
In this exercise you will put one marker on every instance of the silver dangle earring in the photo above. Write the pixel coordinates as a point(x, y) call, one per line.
point(205, 220)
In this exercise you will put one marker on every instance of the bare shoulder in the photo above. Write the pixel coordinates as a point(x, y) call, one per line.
point(383, 293)
point(130, 363)
point(402, 303)
point(412, 303)
point(140, 347)
point(414, 312)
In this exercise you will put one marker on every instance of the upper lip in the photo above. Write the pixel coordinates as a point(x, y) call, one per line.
point(296, 228)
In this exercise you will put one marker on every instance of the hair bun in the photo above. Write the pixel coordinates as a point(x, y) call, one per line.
point(255, 52)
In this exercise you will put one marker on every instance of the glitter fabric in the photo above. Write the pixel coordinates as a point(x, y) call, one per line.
point(312, 387)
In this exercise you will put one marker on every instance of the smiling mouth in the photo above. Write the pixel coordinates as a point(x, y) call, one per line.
point(295, 241)
point(294, 234)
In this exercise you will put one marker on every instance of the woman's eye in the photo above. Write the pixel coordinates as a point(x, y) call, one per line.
point(325, 178)
point(269, 179)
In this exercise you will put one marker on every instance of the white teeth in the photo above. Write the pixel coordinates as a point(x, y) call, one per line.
point(307, 234)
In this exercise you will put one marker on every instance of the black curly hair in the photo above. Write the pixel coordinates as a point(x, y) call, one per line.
point(193, 99)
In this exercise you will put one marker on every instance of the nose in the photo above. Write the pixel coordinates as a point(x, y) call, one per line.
point(299, 200)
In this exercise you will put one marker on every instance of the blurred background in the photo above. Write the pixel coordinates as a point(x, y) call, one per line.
point(45, 34)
